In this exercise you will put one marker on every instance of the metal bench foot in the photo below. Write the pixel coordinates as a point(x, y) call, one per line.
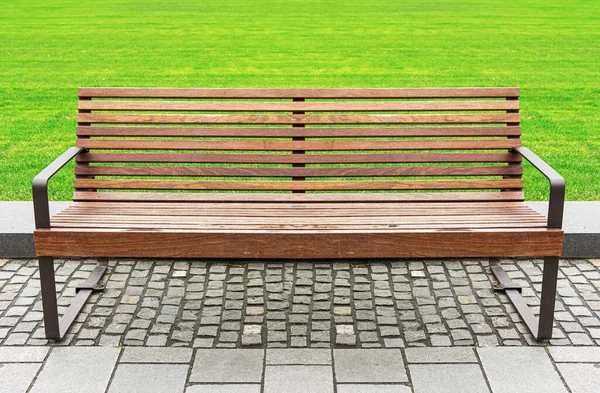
point(541, 327)
point(56, 327)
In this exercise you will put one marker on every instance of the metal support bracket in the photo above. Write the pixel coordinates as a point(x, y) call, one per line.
point(56, 327)
point(513, 291)
point(503, 286)
point(541, 327)
point(93, 287)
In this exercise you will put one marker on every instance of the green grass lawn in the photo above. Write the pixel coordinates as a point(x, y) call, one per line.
point(550, 49)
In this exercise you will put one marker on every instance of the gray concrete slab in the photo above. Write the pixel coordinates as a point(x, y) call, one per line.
point(17, 217)
point(575, 354)
point(369, 366)
point(17, 377)
point(441, 355)
point(77, 369)
point(228, 366)
point(451, 378)
point(512, 370)
point(365, 388)
point(298, 379)
point(302, 356)
point(228, 388)
point(17, 225)
point(581, 378)
point(155, 378)
point(581, 225)
point(156, 355)
point(23, 354)
point(579, 217)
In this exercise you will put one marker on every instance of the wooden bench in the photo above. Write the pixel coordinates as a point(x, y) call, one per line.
point(298, 173)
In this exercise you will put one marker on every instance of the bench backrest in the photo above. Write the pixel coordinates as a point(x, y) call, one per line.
point(299, 141)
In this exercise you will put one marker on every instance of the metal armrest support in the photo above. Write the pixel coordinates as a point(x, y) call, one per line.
point(41, 207)
point(557, 186)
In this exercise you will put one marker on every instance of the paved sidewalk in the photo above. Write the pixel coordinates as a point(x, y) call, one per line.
point(216, 327)
point(256, 305)
point(418, 370)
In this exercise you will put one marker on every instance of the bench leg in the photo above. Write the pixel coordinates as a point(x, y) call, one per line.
point(48, 286)
point(548, 300)
point(541, 327)
point(56, 327)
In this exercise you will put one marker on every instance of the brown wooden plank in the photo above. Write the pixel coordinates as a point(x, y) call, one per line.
point(422, 197)
point(305, 185)
point(104, 92)
point(271, 212)
point(232, 106)
point(281, 245)
point(298, 209)
point(303, 205)
point(312, 132)
point(513, 170)
point(274, 216)
point(365, 227)
point(298, 119)
point(294, 222)
point(299, 158)
point(333, 145)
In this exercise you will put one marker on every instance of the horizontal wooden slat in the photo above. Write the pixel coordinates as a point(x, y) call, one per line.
point(308, 132)
point(299, 244)
point(274, 212)
point(299, 158)
point(368, 106)
point(298, 119)
point(304, 185)
point(367, 227)
point(347, 198)
point(334, 145)
point(157, 221)
point(303, 172)
point(306, 206)
point(103, 92)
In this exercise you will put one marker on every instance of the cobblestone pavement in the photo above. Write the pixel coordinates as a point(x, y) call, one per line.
point(287, 304)
point(286, 370)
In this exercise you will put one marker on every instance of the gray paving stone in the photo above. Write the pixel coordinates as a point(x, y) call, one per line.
point(449, 378)
point(228, 366)
point(369, 365)
point(71, 370)
point(580, 378)
point(365, 388)
point(440, 355)
point(156, 378)
point(580, 339)
point(16, 339)
point(292, 379)
point(22, 354)
point(232, 388)
point(156, 355)
point(17, 377)
point(299, 356)
point(575, 354)
point(520, 370)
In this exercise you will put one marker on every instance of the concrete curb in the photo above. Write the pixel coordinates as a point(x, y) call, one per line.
point(582, 228)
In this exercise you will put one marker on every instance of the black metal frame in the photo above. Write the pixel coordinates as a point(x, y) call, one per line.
point(56, 327)
point(541, 327)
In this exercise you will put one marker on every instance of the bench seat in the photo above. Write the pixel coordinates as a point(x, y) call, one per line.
point(317, 229)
